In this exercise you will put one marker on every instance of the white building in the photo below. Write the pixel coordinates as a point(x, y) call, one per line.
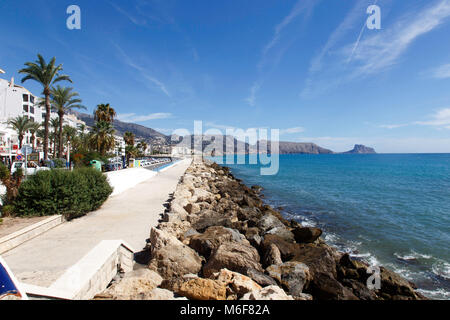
point(15, 101)
point(120, 145)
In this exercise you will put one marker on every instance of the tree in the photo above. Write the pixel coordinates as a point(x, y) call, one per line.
point(142, 146)
point(34, 129)
point(64, 99)
point(11, 182)
point(21, 125)
point(69, 133)
point(54, 123)
point(129, 138)
point(131, 151)
point(102, 137)
point(46, 75)
point(104, 112)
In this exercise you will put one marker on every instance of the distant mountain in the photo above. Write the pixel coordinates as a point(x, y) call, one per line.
point(361, 149)
point(218, 144)
point(302, 147)
point(121, 127)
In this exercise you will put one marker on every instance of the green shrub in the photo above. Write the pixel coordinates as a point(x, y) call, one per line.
point(7, 210)
point(71, 193)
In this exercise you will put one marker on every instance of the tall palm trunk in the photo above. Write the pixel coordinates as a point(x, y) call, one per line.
point(60, 133)
point(47, 121)
point(20, 141)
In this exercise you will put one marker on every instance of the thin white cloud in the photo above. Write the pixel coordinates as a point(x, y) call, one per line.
point(251, 99)
point(383, 49)
point(292, 130)
point(143, 71)
point(441, 72)
point(440, 118)
point(392, 126)
point(301, 7)
point(374, 54)
point(133, 117)
point(347, 25)
point(134, 19)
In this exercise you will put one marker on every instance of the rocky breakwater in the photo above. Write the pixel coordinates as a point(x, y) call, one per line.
point(219, 241)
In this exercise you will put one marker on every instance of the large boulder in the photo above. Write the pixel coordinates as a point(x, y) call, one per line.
point(192, 208)
point(283, 233)
point(306, 234)
point(237, 284)
point(135, 285)
point(175, 228)
point(288, 250)
point(293, 276)
point(170, 257)
point(203, 289)
point(233, 256)
point(268, 293)
point(252, 235)
point(396, 287)
point(212, 238)
point(202, 195)
point(272, 256)
point(268, 222)
point(208, 218)
point(317, 258)
point(325, 287)
point(260, 277)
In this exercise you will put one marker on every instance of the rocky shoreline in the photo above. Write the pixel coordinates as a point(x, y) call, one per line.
point(219, 241)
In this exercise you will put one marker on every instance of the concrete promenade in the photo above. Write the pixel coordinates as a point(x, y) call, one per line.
point(127, 216)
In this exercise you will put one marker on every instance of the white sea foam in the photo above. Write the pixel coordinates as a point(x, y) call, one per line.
point(442, 269)
point(438, 294)
point(413, 255)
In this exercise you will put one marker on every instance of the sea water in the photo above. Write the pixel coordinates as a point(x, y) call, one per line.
point(388, 209)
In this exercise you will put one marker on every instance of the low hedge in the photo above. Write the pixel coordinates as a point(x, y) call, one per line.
point(70, 193)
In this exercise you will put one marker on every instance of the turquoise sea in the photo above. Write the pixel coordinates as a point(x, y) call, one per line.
point(388, 209)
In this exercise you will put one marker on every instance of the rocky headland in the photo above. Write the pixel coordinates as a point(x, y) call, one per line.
point(219, 241)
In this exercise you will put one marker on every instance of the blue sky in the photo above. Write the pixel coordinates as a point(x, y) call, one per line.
point(309, 68)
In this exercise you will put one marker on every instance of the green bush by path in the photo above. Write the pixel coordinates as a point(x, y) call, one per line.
point(70, 193)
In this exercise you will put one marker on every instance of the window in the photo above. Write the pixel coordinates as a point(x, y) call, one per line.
point(25, 108)
point(43, 115)
point(32, 110)
point(25, 98)
point(32, 99)
point(31, 119)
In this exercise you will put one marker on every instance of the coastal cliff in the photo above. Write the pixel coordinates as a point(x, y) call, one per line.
point(219, 241)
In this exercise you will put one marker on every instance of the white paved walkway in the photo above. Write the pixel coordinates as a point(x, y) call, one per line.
point(127, 216)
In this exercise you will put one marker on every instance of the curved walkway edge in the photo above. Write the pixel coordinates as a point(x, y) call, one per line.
point(129, 216)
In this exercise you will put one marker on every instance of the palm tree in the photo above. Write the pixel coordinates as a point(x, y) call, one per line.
point(54, 124)
point(34, 128)
point(70, 134)
point(129, 138)
point(102, 137)
point(64, 100)
point(104, 112)
point(46, 75)
point(131, 151)
point(21, 125)
point(142, 146)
